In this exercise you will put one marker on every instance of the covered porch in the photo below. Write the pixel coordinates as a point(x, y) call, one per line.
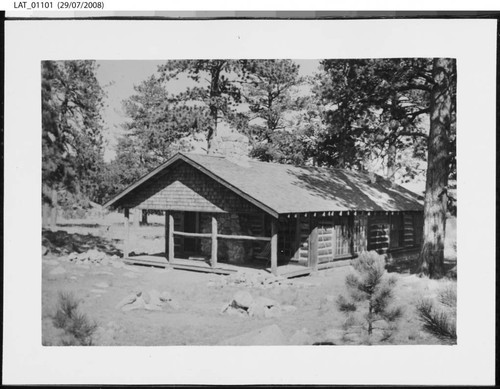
point(221, 243)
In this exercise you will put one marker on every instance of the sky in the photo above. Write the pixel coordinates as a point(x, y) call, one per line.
point(118, 78)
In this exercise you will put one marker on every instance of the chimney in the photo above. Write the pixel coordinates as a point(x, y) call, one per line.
point(231, 145)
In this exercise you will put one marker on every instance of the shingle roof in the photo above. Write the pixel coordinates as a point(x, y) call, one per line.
point(292, 189)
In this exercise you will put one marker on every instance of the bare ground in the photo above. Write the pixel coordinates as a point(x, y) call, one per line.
point(196, 317)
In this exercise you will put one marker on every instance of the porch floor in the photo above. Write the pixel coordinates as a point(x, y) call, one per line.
point(287, 271)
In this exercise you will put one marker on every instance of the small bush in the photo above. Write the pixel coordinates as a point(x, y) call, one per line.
point(440, 320)
point(76, 325)
point(371, 291)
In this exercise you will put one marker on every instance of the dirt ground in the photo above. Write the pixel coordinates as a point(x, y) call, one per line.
point(194, 314)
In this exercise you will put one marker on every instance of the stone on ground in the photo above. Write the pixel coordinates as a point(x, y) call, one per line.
point(257, 310)
point(45, 250)
point(242, 299)
point(270, 335)
point(272, 312)
point(127, 300)
point(95, 255)
point(102, 285)
point(137, 304)
point(165, 296)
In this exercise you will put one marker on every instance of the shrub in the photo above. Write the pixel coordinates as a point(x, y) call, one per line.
point(371, 289)
point(440, 320)
point(76, 325)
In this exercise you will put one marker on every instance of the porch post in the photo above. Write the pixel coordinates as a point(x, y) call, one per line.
point(313, 244)
point(170, 237)
point(167, 235)
point(135, 217)
point(297, 238)
point(274, 247)
point(213, 259)
point(126, 240)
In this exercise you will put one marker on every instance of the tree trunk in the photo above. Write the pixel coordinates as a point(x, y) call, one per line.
point(144, 220)
point(432, 252)
point(391, 163)
point(214, 103)
point(53, 209)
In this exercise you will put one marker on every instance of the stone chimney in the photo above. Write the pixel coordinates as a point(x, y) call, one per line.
point(231, 145)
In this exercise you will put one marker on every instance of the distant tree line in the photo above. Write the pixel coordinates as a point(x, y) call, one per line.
point(392, 116)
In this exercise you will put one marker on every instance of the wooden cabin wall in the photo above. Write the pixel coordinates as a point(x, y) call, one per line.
point(378, 235)
point(344, 236)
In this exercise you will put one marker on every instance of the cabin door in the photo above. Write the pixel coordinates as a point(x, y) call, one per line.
point(191, 224)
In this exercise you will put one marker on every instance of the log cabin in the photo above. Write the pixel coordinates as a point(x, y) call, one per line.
point(222, 212)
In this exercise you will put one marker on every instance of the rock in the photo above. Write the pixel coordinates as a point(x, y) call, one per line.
point(137, 304)
point(270, 335)
point(242, 300)
point(57, 271)
point(73, 256)
point(127, 300)
point(102, 285)
point(272, 312)
point(257, 310)
point(95, 255)
point(232, 311)
point(301, 337)
point(82, 257)
point(165, 296)
point(45, 250)
point(146, 297)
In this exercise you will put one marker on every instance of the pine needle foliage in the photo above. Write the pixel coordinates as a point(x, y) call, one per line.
point(78, 328)
point(370, 295)
point(439, 318)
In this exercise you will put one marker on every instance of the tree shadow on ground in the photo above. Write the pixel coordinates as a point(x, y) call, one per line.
point(62, 242)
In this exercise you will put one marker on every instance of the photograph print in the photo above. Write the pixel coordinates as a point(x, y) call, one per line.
point(249, 202)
